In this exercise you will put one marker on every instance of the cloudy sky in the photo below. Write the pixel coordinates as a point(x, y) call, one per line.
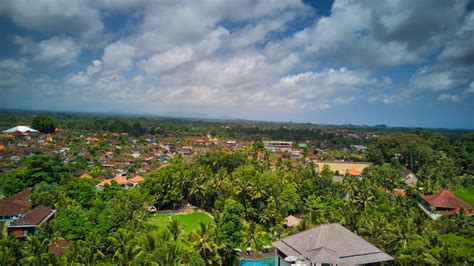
point(400, 63)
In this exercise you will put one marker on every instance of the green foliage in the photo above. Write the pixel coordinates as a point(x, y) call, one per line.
point(43, 124)
point(230, 224)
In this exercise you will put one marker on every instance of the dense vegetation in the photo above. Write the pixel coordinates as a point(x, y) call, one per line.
point(248, 198)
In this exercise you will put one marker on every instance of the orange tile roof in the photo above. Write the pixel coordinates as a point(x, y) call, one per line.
point(9, 136)
point(136, 179)
point(354, 172)
point(91, 139)
point(120, 180)
point(105, 182)
point(399, 192)
point(85, 175)
point(2, 147)
point(109, 153)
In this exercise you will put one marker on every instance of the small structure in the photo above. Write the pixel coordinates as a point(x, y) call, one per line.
point(185, 150)
point(29, 223)
point(410, 178)
point(354, 172)
point(152, 209)
point(59, 247)
point(21, 129)
point(86, 175)
point(12, 208)
point(444, 203)
point(292, 221)
point(330, 244)
point(136, 180)
point(278, 145)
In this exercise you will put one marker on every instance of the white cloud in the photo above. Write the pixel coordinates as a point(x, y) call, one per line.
point(56, 51)
point(439, 78)
point(167, 61)
point(63, 16)
point(450, 98)
point(118, 57)
point(12, 72)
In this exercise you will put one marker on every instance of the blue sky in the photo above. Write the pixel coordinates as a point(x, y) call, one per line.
point(399, 63)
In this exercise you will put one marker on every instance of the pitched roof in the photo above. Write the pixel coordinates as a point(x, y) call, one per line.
point(331, 243)
point(15, 204)
point(291, 221)
point(120, 180)
point(59, 247)
point(85, 175)
point(446, 199)
point(353, 171)
point(35, 217)
point(136, 179)
point(105, 182)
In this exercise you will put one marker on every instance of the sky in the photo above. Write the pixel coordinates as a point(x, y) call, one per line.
point(399, 63)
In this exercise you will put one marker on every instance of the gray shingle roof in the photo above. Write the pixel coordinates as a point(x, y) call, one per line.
point(331, 243)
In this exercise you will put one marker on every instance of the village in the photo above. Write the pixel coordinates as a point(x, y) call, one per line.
point(107, 160)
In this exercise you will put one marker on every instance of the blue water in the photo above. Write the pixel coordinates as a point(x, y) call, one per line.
point(265, 262)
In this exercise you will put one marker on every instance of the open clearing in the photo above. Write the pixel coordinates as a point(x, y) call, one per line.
point(188, 221)
point(343, 167)
point(466, 194)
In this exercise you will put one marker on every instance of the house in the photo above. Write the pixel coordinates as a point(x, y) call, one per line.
point(29, 223)
point(327, 244)
point(302, 145)
point(278, 145)
point(354, 172)
point(59, 247)
point(295, 155)
point(444, 203)
point(136, 180)
point(12, 208)
point(358, 147)
point(185, 150)
point(86, 175)
point(21, 129)
point(410, 178)
point(292, 221)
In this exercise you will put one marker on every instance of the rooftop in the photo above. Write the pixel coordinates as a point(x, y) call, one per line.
point(331, 243)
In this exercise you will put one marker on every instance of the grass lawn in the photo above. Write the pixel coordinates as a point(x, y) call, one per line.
point(466, 194)
point(189, 221)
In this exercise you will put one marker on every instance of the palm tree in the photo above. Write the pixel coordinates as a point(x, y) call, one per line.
point(253, 236)
point(206, 244)
point(174, 228)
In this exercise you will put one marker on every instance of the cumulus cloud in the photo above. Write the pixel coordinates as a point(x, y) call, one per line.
point(64, 16)
point(461, 48)
point(118, 57)
point(56, 51)
point(12, 72)
point(440, 78)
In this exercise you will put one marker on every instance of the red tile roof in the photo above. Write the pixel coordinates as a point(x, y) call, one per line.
point(15, 204)
point(35, 216)
point(446, 200)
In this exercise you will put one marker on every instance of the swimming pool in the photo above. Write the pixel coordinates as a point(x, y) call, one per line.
point(265, 262)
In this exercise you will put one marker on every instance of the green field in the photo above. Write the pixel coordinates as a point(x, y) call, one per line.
point(466, 194)
point(189, 221)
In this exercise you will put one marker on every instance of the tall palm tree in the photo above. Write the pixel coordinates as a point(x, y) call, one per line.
point(253, 236)
point(206, 244)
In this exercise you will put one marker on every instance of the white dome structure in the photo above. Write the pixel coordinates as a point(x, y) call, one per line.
point(21, 129)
